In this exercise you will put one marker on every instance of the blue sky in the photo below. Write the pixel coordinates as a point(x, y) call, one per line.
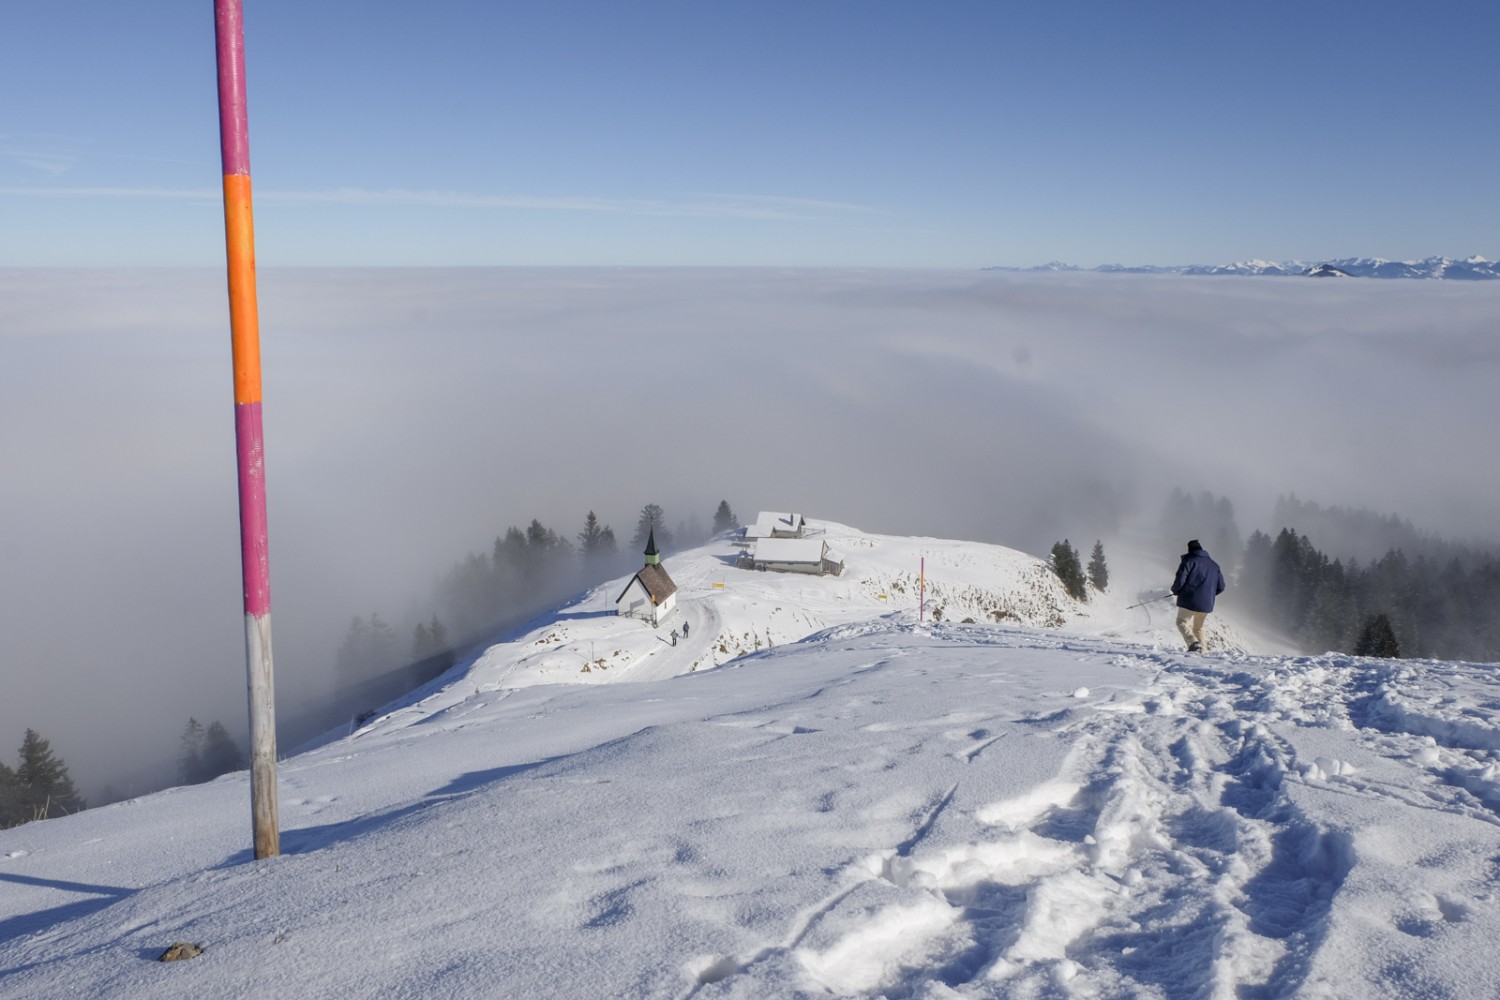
point(952, 134)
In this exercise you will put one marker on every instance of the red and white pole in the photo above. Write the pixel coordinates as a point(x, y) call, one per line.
point(244, 330)
point(922, 589)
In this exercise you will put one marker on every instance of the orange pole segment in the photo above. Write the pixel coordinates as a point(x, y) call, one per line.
point(244, 314)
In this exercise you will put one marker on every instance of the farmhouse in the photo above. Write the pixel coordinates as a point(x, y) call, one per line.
point(650, 595)
point(775, 524)
point(792, 555)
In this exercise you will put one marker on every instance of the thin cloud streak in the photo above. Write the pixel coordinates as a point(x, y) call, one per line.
point(49, 154)
point(57, 154)
point(769, 207)
point(176, 194)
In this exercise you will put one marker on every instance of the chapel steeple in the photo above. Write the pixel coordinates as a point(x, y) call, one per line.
point(650, 595)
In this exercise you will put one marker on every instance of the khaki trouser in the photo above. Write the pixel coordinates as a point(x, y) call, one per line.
point(1190, 624)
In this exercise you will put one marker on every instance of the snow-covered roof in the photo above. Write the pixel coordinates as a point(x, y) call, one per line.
point(775, 519)
point(789, 550)
point(655, 579)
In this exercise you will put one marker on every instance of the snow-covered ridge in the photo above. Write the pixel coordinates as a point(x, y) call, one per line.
point(1473, 268)
point(730, 612)
point(880, 807)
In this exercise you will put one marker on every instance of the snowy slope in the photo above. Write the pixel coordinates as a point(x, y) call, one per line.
point(731, 612)
point(885, 807)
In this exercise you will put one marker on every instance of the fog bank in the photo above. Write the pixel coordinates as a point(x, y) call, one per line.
point(411, 415)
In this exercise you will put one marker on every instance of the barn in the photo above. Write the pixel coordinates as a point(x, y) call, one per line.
point(792, 555)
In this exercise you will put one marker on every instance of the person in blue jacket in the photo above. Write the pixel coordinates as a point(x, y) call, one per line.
point(1199, 580)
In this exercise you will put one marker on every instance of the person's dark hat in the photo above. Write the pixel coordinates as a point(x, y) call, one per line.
point(1193, 546)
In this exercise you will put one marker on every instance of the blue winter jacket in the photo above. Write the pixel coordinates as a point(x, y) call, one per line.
point(1199, 580)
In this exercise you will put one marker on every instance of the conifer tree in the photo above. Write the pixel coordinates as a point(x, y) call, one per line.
point(509, 556)
point(1377, 638)
point(1255, 573)
point(596, 543)
point(12, 810)
point(545, 548)
point(1069, 570)
point(724, 519)
point(369, 648)
point(382, 649)
point(1224, 534)
point(428, 639)
point(352, 650)
point(1098, 571)
point(588, 538)
point(220, 753)
point(46, 787)
point(190, 753)
point(652, 519)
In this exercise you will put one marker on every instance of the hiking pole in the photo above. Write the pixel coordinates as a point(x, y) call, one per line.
point(1152, 600)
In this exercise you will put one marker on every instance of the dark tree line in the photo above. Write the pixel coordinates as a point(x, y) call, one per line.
point(1373, 585)
point(1443, 610)
point(527, 571)
point(39, 787)
point(524, 572)
point(1349, 533)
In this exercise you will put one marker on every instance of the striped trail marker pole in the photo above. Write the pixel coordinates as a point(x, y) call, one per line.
point(244, 331)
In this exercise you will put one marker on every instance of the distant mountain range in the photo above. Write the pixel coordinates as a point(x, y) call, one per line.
point(1469, 269)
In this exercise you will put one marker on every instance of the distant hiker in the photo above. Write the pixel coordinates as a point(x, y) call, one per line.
point(684, 630)
point(674, 637)
point(1199, 580)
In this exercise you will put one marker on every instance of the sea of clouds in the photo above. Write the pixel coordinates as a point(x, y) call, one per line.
point(413, 414)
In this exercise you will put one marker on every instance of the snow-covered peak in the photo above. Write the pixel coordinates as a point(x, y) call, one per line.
point(1473, 268)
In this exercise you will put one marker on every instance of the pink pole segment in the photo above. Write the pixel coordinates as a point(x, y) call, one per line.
point(234, 117)
point(254, 533)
